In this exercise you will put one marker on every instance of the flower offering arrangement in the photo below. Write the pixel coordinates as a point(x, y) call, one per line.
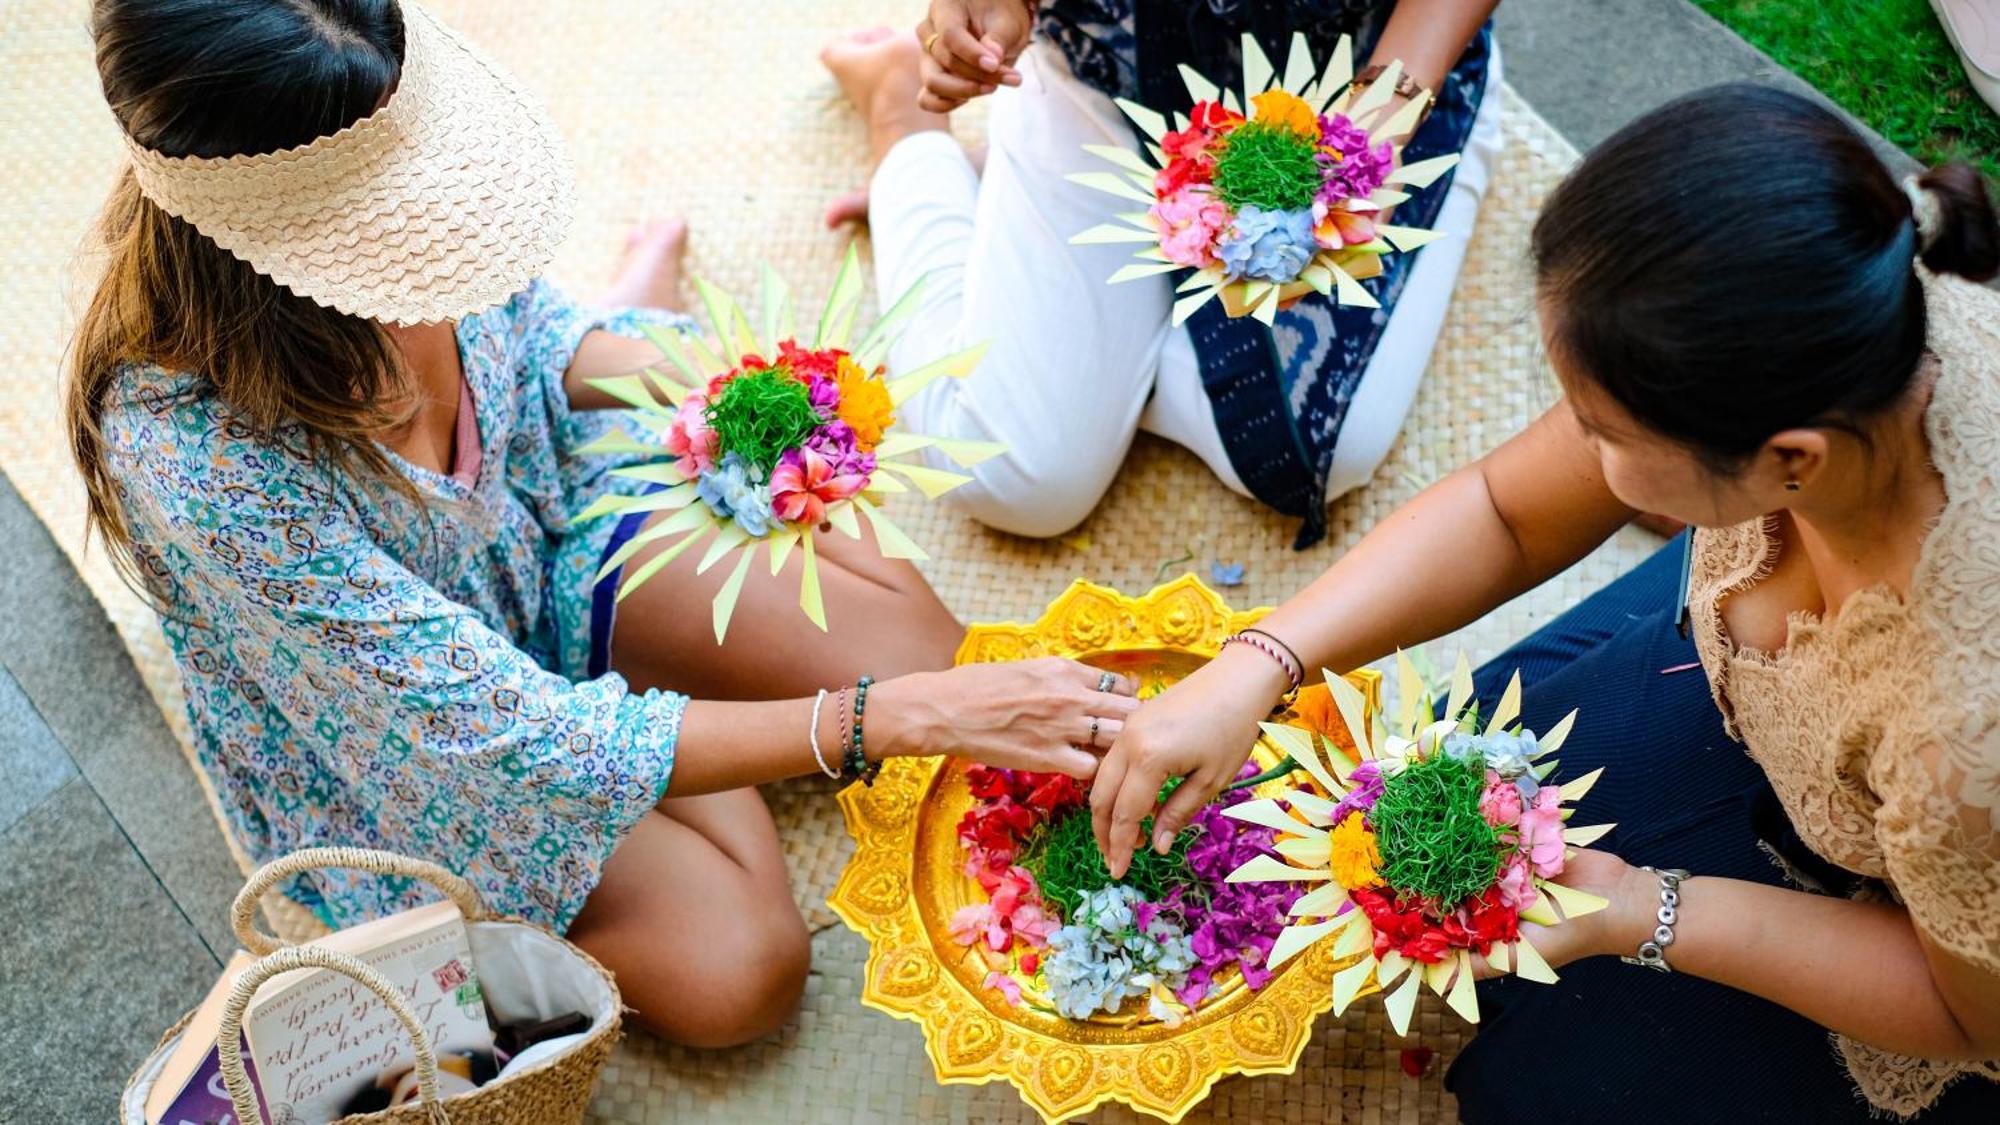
point(764, 441)
point(1271, 195)
point(1058, 932)
point(993, 924)
point(1440, 840)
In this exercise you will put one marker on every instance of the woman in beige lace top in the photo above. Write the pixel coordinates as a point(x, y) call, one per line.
point(1753, 325)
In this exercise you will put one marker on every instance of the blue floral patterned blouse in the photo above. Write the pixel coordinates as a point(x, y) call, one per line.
point(362, 670)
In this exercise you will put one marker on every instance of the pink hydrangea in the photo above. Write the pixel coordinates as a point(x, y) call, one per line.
point(1541, 832)
point(1500, 804)
point(1517, 884)
point(1190, 220)
point(690, 436)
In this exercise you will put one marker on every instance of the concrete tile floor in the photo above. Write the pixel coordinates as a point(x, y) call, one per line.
point(114, 882)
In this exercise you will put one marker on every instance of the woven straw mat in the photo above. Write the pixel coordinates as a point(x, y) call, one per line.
point(719, 112)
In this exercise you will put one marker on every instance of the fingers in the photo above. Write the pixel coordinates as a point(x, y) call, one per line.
point(931, 103)
point(1100, 733)
point(1104, 795)
point(1099, 680)
point(944, 91)
point(1079, 764)
point(961, 53)
point(1138, 793)
point(1186, 800)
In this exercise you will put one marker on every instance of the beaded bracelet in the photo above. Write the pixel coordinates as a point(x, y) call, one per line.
point(1294, 674)
point(812, 733)
point(857, 766)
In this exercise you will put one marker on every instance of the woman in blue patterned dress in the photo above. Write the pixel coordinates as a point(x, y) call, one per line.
point(341, 456)
point(1293, 414)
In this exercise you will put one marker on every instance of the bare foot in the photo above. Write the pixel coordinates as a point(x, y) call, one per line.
point(877, 70)
point(649, 276)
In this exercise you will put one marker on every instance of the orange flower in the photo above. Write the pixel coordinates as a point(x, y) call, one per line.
point(864, 404)
point(1318, 713)
point(1285, 110)
point(1353, 858)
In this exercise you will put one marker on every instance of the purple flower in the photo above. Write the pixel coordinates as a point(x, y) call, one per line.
point(1364, 787)
point(1240, 921)
point(823, 393)
point(835, 442)
point(1354, 169)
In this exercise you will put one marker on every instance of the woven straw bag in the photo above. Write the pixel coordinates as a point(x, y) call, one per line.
point(523, 970)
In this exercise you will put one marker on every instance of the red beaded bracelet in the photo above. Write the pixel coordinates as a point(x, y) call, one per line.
point(1257, 641)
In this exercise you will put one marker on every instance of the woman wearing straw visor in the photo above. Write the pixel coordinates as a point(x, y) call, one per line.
point(1757, 331)
point(328, 418)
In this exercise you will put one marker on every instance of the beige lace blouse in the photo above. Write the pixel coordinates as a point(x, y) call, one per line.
point(1880, 729)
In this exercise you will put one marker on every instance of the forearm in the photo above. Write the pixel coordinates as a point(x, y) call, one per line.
point(1856, 968)
point(1437, 563)
point(600, 355)
point(1468, 543)
point(1428, 36)
point(725, 745)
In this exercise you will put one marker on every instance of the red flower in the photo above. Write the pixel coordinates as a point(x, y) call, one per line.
point(1491, 921)
point(1406, 931)
point(1203, 136)
point(1052, 793)
point(988, 782)
point(1213, 116)
point(805, 364)
point(993, 831)
point(1179, 173)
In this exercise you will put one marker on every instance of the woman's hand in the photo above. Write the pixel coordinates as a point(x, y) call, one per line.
point(1029, 715)
point(1634, 895)
point(969, 48)
point(1201, 729)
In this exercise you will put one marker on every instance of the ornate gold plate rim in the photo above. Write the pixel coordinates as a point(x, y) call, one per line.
point(970, 1041)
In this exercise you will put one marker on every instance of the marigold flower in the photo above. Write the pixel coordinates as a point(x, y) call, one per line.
point(864, 404)
point(1286, 110)
point(1354, 857)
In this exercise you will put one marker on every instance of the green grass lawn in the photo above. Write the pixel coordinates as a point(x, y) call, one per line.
point(1886, 61)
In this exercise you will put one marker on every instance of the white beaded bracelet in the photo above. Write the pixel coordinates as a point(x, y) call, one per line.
point(829, 771)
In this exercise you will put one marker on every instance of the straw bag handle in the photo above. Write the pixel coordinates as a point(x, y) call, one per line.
point(243, 912)
point(229, 1036)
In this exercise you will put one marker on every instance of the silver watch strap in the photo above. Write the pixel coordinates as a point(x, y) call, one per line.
point(1653, 951)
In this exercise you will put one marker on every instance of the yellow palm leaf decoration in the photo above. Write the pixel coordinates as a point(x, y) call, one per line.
point(1381, 836)
point(762, 439)
point(1271, 194)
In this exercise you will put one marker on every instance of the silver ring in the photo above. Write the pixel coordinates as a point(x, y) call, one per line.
point(1107, 681)
point(1093, 731)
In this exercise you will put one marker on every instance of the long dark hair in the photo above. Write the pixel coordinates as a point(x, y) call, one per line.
point(1739, 262)
point(218, 78)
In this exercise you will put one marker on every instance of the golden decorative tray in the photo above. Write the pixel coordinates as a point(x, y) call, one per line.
point(906, 881)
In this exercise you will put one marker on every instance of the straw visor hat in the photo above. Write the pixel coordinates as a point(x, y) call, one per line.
point(448, 199)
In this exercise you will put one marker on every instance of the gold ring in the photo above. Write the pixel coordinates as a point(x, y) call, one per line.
point(932, 41)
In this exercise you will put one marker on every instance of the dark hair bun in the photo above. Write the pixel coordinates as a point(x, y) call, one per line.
point(1967, 241)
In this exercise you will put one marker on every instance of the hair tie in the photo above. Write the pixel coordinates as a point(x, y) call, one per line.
point(1925, 211)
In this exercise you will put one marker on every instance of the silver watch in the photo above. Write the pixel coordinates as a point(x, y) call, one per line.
point(1653, 951)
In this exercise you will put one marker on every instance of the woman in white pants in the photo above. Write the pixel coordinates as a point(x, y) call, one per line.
point(1295, 414)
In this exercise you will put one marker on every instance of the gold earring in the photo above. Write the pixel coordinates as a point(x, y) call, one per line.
point(1791, 486)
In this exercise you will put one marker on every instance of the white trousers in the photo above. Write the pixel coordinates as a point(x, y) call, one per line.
point(1076, 366)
